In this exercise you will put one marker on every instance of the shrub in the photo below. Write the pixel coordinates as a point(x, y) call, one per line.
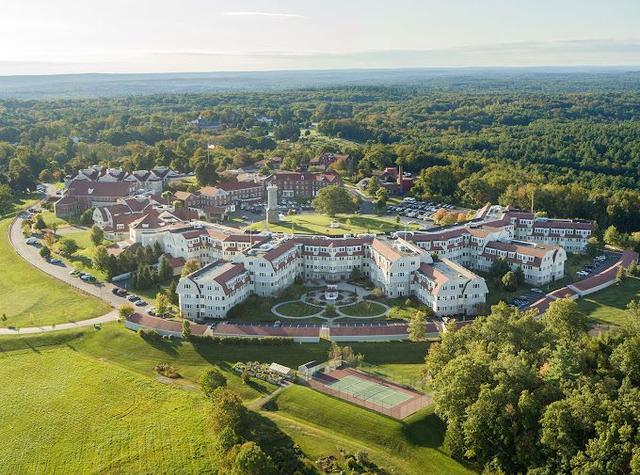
point(126, 310)
point(167, 370)
point(377, 293)
point(211, 380)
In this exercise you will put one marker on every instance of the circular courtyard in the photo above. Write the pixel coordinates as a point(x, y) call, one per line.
point(329, 306)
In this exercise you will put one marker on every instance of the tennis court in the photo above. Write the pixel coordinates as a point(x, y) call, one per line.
point(366, 390)
point(370, 391)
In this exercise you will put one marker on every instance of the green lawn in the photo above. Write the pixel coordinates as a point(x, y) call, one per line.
point(609, 305)
point(92, 397)
point(29, 297)
point(83, 258)
point(320, 423)
point(298, 309)
point(403, 308)
point(320, 224)
point(363, 309)
point(65, 413)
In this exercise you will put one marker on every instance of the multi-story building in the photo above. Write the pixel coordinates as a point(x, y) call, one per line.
point(153, 180)
point(213, 290)
point(433, 266)
point(571, 234)
point(82, 195)
point(449, 289)
point(397, 266)
point(301, 185)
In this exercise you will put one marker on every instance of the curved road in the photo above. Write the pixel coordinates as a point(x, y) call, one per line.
point(32, 255)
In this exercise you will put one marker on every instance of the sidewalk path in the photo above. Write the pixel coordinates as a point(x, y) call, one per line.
point(32, 255)
point(109, 317)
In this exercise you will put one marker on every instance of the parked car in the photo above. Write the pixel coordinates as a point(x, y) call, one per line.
point(56, 262)
point(119, 292)
point(74, 272)
point(133, 298)
point(140, 303)
point(151, 311)
point(31, 241)
point(582, 273)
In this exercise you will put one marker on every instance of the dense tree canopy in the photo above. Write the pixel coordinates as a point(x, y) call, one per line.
point(522, 394)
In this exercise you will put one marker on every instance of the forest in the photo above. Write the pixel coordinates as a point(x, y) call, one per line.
point(570, 149)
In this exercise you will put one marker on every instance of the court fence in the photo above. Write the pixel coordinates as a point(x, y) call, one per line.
point(399, 411)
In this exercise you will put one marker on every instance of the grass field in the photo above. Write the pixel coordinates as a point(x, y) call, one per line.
point(363, 309)
point(91, 396)
point(29, 297)
point(310, 223)
point(298, 309)
point(64, 413)
point(609, 305)
point(319, 423)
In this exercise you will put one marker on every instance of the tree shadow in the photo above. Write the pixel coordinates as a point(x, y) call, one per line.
point(168, 347)
point(425, 431)
point(282, 449)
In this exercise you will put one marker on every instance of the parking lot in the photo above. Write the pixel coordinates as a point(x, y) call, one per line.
point(597, 265)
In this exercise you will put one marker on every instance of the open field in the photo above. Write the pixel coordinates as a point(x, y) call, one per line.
point(609, 305)
point(310, 223)
point(72, 414)
point(100, 386)
point(318, 423)
point(29, 297)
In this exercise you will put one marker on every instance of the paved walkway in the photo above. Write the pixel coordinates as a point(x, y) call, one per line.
point(32, 255)
point(109, 317)
point(330, 320)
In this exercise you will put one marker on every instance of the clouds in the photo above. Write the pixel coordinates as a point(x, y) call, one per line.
point(264, 14)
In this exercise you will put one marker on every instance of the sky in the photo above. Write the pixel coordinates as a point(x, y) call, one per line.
point(72, 36)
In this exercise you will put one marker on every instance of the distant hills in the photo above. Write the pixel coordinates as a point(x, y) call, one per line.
point(481, 79)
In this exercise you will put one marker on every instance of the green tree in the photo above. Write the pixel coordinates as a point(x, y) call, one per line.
point(211, 380)
point(45, 253)
point(206, 174)
point(6, 199)
point(416, 326)
point(373, 186)
point(165, 272)
point(97, 235)
point(101, 259)
point(509, 281)
point(68, 247)
point(227, 410)
point(86, 218)
point(163, 303)
point(190, 267)
point(382, 196)
point(251, 460)
point(40, 224)
point(333, 200)
point(613, 237)
point(499, 267)
point(186, 330)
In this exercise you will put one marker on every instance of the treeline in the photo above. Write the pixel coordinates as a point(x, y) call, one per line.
point(580, 150)
point(520, 394)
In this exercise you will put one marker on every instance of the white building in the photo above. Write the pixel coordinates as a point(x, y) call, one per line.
point(434, 266)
